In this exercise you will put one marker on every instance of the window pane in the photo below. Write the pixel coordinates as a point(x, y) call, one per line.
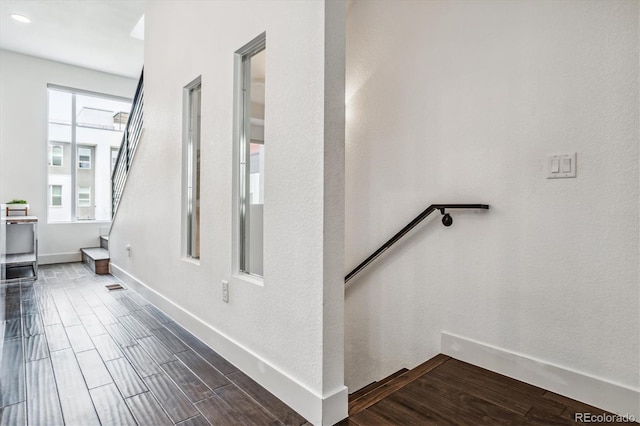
point(191, 152)
point(84, 158)
point(252, 163)
point(60, 165)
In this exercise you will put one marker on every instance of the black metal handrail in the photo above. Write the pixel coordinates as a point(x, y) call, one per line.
point(130, 139)
point(447, 220)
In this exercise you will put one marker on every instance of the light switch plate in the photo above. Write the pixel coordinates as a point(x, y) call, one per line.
point(561, 166)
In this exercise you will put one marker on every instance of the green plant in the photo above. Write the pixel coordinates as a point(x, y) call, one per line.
point(15, 201)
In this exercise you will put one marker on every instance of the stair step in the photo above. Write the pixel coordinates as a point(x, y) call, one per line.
point(390, 386)
point(104, 242)
point(371, 386)
point(97, 258)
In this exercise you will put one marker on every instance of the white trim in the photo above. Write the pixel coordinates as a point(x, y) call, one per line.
point(50, 259)
point(324, 409)
point(596, 391)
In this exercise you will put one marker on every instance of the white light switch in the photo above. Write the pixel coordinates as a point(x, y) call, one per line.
point(562, 166)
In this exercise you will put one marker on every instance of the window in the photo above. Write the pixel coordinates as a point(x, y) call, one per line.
point(114, 158)
point(84, 158)
point(83, 127)
point(250, 141)
point(56, 153)
point(55, 195)
point(84, 197)
point(192, 106)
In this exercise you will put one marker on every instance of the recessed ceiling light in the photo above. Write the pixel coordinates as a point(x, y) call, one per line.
point(20, 18)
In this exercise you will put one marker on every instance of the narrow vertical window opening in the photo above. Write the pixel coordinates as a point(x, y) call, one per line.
point(193, 102)
point(250, 98)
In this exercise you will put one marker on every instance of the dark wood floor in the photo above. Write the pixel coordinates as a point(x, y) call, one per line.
point(74, 353)
point(445, 391)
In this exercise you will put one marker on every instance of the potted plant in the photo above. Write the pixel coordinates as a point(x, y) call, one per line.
point(16, 205)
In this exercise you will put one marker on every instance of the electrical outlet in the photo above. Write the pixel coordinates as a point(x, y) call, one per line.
point(225, 291)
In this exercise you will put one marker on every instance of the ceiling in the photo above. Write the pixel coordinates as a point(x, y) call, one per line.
point(92, 34)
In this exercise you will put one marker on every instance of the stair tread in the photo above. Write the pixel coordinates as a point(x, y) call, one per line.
point(96, 253)
point(379, 393)
point(104, 237)
point(371, 386)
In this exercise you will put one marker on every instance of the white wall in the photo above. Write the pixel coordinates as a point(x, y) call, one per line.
point(462, 102)
point(286, 332)
point(23, 143)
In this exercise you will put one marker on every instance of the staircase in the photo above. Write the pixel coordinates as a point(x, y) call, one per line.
point(97, 258)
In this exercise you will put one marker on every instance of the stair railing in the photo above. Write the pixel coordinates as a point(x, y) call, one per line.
point(447, 220)
point(130, 139)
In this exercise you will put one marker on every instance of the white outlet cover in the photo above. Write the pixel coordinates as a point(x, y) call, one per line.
point(556, 166)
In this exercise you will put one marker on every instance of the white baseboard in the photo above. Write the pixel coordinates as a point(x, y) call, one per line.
point(583, 387)
point(48, 259)
point(318, 409)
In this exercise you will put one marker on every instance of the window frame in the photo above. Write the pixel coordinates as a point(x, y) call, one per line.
point(51, 156)
point(242, 125)
point(51, 195)
point(73, 144)
point(192, 168)
point(84, 161)
point(81, 192)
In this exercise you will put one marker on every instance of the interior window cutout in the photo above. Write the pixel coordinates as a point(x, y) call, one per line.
point(251, 151)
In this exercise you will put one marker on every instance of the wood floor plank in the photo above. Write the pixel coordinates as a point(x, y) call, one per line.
point(191, 385)
point(366, 418)
point(50, 316)
point(77, 406)
point(147, 319)
point(147, 411)
point(111, 408)
point(134, 327)
point(31, 325)
point(538, 416)
point(14, 415)
point(141, 361)
point(495, 379)
point(65, 308)
point(93, 369)
point(366, 389)
point(221, 364)
point(56, 337)
point(218, 412)
point(104, 315)
point(393, 385)
point(120, 335)
point(156, 349)
point(29, 306)
point(92, 325)
point(170, 340)
point(79, 339)
point(203, 370)
point(194, 421)
point(513, 399)
point(397, 411)
point(248, 408)
point(43, 404)
point(157, 314)
point(12, 385)
point(107, 348)
point(174, 402)
point(117, 309)
point(125, 377)
point(439, 397)
point(275, 406)
point(35, 347)
point(572, 406)
point(12, 328)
